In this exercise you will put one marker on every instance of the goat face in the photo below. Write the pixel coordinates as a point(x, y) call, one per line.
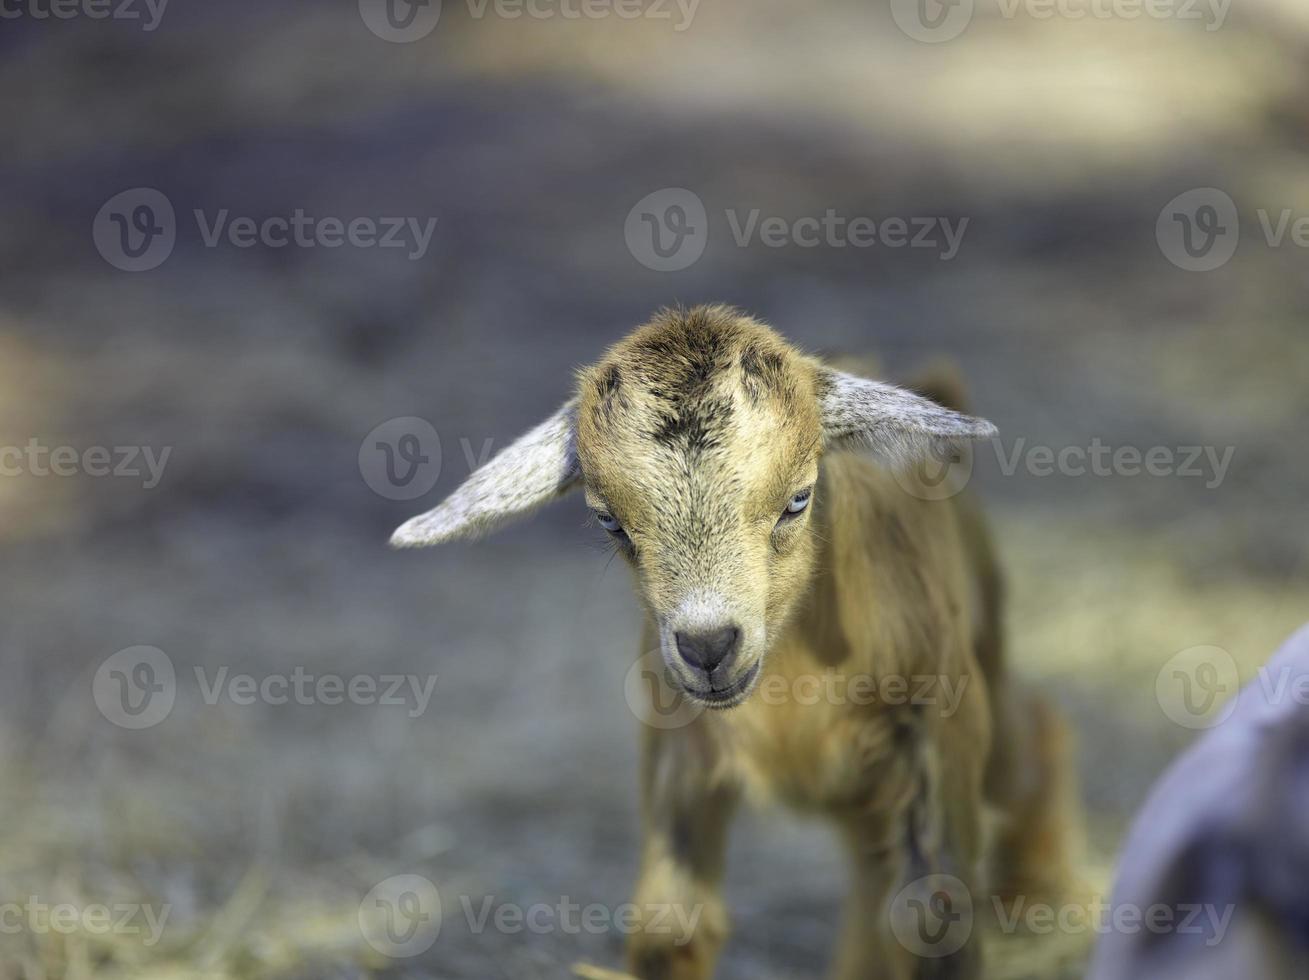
point(697, 441)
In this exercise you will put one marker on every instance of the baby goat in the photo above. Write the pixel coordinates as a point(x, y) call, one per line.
point(768, 555)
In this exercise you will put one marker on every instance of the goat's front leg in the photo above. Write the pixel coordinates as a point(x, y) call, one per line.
point(687, 812)
point(868, 948)
point(912, 847)
point(904, 922)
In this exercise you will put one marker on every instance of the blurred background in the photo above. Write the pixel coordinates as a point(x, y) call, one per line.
point(1117, 182)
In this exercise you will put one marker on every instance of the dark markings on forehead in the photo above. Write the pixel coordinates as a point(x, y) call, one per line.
point(763, 372)
point(680, 362)
point(609, 393)
point(610, 380)
point(693, 426)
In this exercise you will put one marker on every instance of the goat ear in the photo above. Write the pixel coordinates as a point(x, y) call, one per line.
point(529, 472)
point(897, 425)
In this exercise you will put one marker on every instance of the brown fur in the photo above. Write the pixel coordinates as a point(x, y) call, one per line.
point(694, 433)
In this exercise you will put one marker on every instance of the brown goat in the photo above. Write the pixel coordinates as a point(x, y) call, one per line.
point(773, 561)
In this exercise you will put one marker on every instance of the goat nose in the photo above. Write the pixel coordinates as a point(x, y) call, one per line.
point(708, 650)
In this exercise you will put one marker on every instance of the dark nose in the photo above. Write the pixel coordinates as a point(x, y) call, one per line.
point(708, 650)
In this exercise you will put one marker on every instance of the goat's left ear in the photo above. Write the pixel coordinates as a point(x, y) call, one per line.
point(896, 425)
point(529, 472)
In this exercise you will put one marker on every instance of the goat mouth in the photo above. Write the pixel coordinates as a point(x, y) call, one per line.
point(730, 696)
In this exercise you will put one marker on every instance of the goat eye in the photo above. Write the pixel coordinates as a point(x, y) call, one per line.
point(608, 522)
point(799, 502)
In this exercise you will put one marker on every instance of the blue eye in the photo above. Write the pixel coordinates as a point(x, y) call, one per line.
point(799, 502)
point(608, 522)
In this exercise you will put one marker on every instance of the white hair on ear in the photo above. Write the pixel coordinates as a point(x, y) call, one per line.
point(531, 471)
point(897, 425)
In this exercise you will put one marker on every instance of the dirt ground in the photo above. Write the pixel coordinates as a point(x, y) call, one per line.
point(262, 548)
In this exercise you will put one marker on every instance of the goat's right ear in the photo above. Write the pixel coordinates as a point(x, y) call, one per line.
point(897, 425)
point(531, 471)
